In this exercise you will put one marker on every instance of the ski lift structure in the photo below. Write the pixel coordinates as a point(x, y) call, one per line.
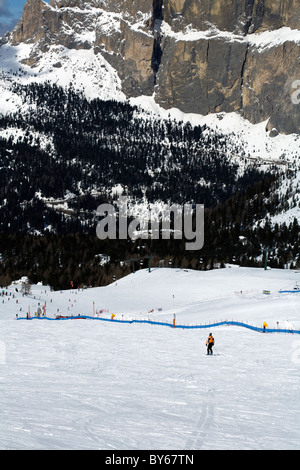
point(141, 262)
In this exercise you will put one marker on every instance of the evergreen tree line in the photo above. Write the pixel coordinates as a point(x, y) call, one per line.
point(94, 145)
point(229, 238)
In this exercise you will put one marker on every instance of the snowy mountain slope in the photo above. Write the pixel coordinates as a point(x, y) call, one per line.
point(238, 58)
point(88, 70)
point(87, 384)
point(253, 138)
point(69, 43)
point(94, 76)
point(82, 68)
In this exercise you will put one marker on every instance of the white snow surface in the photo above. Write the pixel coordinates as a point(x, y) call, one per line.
point(261, 41)
point(90, 384)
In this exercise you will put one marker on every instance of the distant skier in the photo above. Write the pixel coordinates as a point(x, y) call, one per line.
point(209, 343)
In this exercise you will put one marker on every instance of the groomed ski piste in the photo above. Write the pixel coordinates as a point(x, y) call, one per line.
point(133, 381)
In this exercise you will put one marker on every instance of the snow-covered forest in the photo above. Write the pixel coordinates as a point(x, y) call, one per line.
point(95, 150)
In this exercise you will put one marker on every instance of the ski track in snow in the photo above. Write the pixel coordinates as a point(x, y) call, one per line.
point(83, 384)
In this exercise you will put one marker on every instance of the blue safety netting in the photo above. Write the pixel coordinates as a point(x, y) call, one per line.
point(171, 325)
point(289, 291)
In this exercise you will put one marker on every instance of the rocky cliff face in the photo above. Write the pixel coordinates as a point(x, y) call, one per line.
point(202, 57)
point(239, 16)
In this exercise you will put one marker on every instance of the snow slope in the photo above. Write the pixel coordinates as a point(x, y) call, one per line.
point(252, 138)
point(89, 384)
point(86, 71)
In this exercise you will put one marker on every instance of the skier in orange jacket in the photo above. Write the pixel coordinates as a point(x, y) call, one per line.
point(209, 343)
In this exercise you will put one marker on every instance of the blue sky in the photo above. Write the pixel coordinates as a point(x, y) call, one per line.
point(10, 13)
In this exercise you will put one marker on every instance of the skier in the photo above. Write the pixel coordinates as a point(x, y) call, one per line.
point(209, 343)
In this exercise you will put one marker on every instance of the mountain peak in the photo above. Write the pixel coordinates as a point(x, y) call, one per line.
point(60, 23)
point(31, 27)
